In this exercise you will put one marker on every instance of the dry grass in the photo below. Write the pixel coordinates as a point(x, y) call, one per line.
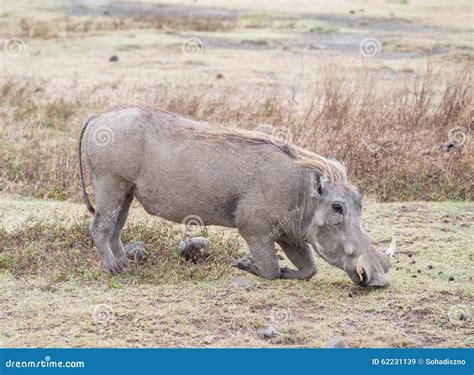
point(393, 138)
point(54, 292)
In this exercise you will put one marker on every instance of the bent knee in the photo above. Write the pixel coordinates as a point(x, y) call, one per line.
point(310, 272)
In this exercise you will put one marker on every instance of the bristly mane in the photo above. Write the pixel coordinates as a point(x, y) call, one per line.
point(332, 170)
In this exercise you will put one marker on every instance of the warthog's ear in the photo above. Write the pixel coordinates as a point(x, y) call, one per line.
point(316, 184)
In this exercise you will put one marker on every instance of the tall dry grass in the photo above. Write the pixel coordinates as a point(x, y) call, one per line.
point(392, 135)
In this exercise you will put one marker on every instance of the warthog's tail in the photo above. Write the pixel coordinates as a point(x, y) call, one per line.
point(84, 192)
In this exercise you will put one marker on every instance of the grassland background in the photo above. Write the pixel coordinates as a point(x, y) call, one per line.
point(296, 65)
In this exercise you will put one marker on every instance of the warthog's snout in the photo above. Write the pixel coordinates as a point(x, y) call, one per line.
point(373, 271)
point(365, 277)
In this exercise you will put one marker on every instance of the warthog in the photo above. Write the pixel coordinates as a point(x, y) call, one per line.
point(270, 191)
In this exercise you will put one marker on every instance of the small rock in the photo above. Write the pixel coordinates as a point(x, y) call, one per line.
point(430, 267)
point(414, 276)
point(463, 316)
point(318, 46)
point(419, 271)
point(338, 342)
point(244, 283)
point(352, 11)
point(220, 76)
point(268, 332)
point(350, 294)
point(113, 58)
point(9, 334)
point(136, 251)
point(413, 262)
point(451, 278)
point(197, 249)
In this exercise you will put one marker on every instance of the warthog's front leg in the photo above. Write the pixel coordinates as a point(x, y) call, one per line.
point(264, 261)
point(246, 264)
point(302, 257)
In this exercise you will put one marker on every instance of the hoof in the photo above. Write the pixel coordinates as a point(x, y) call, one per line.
point(243, 263)
point(136, 251)
point(113, 268)
point(122, 262)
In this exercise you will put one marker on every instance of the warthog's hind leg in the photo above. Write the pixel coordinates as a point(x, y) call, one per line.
point(111, 199)
point(116, 241)
point(302, 257)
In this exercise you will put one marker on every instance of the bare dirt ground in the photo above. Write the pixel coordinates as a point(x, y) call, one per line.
point(316, 31)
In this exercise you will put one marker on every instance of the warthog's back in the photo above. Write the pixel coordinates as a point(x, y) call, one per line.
point(181, 167)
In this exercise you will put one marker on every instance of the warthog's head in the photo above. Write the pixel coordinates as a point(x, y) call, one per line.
point(338, 237)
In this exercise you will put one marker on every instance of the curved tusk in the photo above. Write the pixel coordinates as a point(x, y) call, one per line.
point(360, 268)
point(391, 249)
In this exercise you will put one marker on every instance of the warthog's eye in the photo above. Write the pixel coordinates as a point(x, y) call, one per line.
point(337, 207)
